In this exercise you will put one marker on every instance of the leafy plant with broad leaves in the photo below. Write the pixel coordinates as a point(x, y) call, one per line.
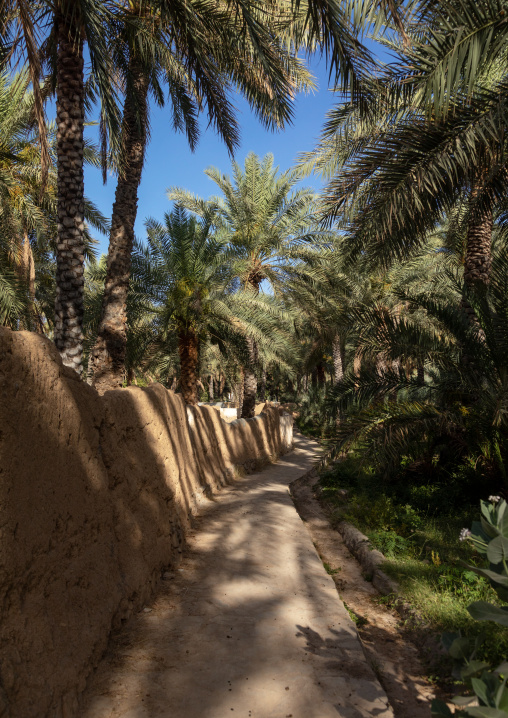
point(489, 698)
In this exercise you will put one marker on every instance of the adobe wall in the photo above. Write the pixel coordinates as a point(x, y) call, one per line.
point(96, 494)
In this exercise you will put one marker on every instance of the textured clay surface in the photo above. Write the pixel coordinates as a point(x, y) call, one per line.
point(96, 497)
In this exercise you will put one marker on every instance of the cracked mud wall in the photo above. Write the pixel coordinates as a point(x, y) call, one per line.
point(96, 494)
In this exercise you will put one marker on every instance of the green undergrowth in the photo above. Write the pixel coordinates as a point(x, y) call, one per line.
point(311, 420)
point(415, 520)
point(360, 621)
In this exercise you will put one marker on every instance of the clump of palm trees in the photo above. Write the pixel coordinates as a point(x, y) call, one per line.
point(271, 230)
point(382, 297)
point(416, 185)
point(198, 284)
point(198, 53)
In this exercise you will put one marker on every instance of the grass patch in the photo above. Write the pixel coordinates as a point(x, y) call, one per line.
point(360, 621)
point(415, 521)
point(329, 570)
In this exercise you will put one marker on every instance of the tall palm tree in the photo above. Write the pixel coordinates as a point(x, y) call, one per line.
point(56, 32)
point(28, 207)
point(270, 225)
point(461, 56)
point(186, 271)
point(189, 264)
point(434, 132)
point(202, 53)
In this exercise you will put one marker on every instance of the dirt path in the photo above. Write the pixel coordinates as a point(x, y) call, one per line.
point(250, 625)
point(391, 654)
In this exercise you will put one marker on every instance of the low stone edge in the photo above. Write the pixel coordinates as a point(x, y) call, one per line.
point(371, 559)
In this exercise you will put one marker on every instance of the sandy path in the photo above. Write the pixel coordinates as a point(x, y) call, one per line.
point(251, 625)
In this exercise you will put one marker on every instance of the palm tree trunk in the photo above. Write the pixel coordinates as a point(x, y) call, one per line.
point(70, 190)
point(250, 381)
point(420, 374)
point(249, 394)
point(210, 388)
point(241, 388)
point(338, 366)
point(477, 263)
point(238, 390)
point(27, 268)
point(262, 390)
point(188, 351)
point(320, 374)
point(110, 347)
point(26, 272)
point(338, 359)
point(478, 259)
point(250, 385)
point(89, 370)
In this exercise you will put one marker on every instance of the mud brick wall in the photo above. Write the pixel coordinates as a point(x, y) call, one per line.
point(96, 496)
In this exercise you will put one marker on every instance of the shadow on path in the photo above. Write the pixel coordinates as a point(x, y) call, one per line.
point(249, 625)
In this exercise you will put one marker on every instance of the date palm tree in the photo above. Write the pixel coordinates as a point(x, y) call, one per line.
point(55, 33)
point(434, 133)
point(462, 61)
point(28, 210)
point(186, 271)
point(270, 225)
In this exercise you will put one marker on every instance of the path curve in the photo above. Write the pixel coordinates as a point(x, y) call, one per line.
point(249, 626)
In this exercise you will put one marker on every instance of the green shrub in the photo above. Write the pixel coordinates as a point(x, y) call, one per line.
point(378, 514)
point(312, 419)
point(409, 517)
point(389, 543)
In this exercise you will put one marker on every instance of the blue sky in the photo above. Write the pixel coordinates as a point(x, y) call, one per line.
point(170, 162)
